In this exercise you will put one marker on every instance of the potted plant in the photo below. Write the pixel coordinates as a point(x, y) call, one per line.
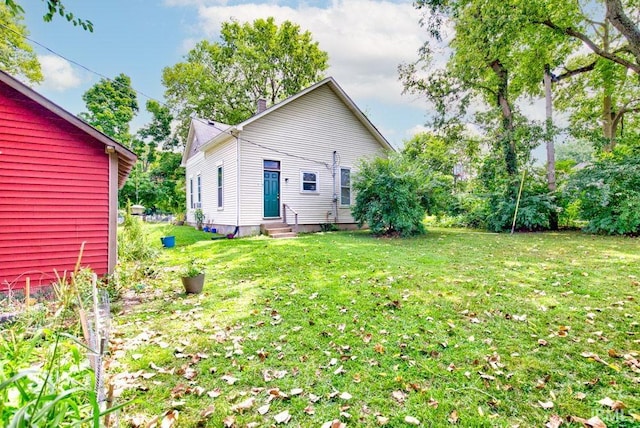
point(199, 216)
point(192, 275)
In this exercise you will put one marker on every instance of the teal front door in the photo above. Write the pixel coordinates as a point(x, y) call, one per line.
point(272, 194)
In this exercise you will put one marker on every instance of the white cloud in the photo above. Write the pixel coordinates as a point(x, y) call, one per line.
point(365, 39)
point(58, 73)
point(418, 129)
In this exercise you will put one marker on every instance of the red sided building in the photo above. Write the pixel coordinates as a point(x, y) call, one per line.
point(59, 181)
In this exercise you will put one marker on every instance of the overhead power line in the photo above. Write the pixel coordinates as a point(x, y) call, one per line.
point(171, 109)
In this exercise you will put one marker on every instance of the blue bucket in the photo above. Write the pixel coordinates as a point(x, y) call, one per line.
point(168, 241)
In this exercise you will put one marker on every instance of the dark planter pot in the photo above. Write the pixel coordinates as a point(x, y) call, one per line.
point(193, 284)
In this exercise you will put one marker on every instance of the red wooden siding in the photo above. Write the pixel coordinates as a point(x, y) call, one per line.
point(54, 189)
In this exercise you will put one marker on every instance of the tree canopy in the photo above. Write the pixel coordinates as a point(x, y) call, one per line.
point(112, 104)
point(223, 80)
point(16, 55)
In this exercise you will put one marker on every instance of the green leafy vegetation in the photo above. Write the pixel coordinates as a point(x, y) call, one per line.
point(452, 327)
point(608, 193)
point(17, 57)
point(223, 80)
point(389, 197)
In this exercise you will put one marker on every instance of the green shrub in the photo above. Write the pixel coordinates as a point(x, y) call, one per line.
point(608, 192)
point(534, 212)
point(536, 209)
point(132, 243)
point(389, 197)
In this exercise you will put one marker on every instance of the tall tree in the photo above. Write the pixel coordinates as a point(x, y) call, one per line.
point(16, 55)
point(496, 55)
point(112, 104)
point(223, 80)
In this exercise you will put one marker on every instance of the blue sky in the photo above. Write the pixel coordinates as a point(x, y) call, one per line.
point(365, 39)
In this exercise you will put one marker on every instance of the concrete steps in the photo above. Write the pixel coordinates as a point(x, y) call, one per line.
point(277, 230)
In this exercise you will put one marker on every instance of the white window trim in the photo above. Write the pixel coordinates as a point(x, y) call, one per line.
point(220, 188)
point(192, 200)
point(350, 186)
point(199, 190)
point(309, 192)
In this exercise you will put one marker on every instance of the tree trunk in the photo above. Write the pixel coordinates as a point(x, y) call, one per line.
point(551, 150)
point(608, 128)
point(626, 26)
point(508, 143)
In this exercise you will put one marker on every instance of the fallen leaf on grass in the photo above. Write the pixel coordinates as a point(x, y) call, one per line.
point(595, 357)
point(229, 379)
point(208, 411)
point(334, 424)
point(379, 348)
point(244, 405)
point(340, 370)
point(613, 405)
point(432, 403)
point(309, 410)
point(229, 421)
point(411, 420)
point(263, 410)
point(546, 404)
point(382, 420)
point(399, 396)
point(554, 422)
point(282, 417)
point(346, 396)
point(214, 393)
point(169, 419)
point(594, 422)
point(453, 417)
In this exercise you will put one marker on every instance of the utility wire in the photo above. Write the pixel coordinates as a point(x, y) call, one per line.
point(173, 110)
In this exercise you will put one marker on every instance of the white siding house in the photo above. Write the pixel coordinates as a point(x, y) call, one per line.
point(297, 156)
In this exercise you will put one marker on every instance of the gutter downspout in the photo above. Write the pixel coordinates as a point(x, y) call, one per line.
point(237, 181)
point(335, 195)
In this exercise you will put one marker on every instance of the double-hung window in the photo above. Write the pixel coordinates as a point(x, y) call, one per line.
point(345, 186)
point(199, 203)
point(191, 194)
point(219, 182)
point(309, 182)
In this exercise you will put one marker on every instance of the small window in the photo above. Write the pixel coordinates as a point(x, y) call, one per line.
point(309, 181)
point(272, 165)
point(191, 195)
point(345, 186)
point(199, 204)
point(220, 187)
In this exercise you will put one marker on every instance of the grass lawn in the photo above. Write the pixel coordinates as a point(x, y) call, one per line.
point(457, 326)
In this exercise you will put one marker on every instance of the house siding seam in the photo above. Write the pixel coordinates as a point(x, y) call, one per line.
point(54, 194)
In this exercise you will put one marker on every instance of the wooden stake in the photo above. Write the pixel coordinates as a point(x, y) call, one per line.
point(27, 292)
point(515, 214)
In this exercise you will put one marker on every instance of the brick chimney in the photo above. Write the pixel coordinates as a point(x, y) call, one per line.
point(262, 105)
